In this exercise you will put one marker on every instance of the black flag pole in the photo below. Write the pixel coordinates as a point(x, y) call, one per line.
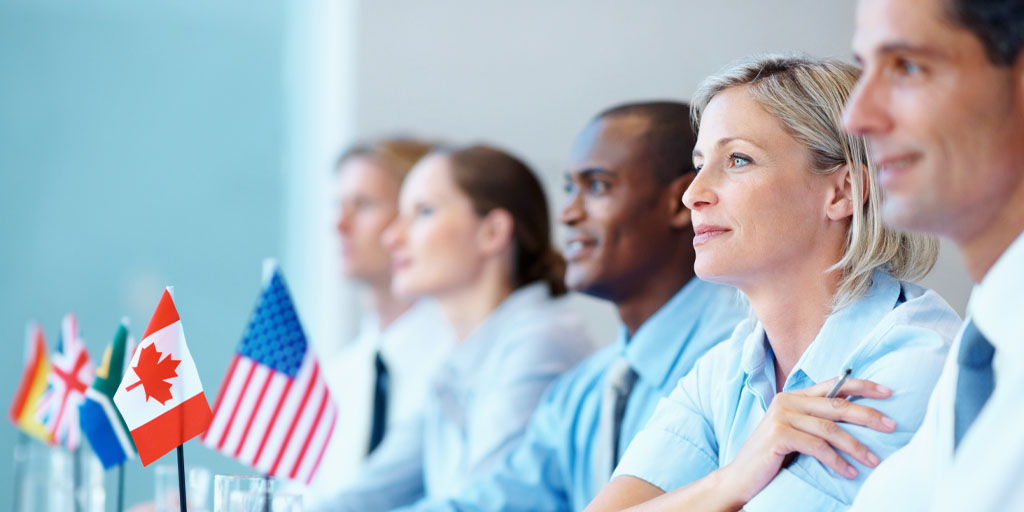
point(181, 478)
point(120, 487)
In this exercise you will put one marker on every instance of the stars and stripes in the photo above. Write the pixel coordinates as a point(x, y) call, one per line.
point(274, 411)
point(70, 375)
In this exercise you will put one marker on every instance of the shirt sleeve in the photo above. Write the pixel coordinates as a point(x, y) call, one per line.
point(391, 478)
point(906, 358)
point(906, 480)
point(678, 444)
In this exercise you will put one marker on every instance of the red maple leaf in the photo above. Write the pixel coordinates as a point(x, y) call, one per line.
point(153, 374)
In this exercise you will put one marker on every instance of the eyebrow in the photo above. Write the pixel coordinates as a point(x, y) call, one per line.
point(905, 47)
point(589, 172)
point(725, 140)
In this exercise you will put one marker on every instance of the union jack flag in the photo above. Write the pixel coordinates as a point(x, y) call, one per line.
point(70, 375)
point(273, 411)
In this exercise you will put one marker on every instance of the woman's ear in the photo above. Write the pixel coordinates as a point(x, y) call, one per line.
point(679, 212)
point(496, 231)
point(844, 196)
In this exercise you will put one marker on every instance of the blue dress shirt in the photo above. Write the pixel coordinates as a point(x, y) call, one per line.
point(479, 404)
point(553, 467)
point(897, 335)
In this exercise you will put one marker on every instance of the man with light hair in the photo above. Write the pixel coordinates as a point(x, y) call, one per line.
point(941, 101)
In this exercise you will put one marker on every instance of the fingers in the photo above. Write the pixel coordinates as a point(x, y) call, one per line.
point(852, 387)
point(835, 410)
point(836, 437)
point(820, 449)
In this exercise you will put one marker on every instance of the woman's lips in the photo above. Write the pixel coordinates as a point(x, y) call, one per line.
point(705, 233)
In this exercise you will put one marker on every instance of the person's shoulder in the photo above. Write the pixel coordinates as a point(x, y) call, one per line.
point(910, 341)
point(922, 308)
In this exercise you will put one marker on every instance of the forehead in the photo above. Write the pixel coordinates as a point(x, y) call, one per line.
point(430, 177)
point(614, 143)
point(360, 174)
point(733, 113)
point(920, 24)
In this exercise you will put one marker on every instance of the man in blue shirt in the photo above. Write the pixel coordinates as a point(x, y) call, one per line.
point(628, 240)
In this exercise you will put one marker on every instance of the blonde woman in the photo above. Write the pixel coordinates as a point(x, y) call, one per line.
point(786, 209)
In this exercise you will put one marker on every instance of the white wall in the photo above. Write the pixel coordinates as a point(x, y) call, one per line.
point(527, 75)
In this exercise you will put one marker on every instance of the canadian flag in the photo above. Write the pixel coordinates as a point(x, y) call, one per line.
point(160, 396)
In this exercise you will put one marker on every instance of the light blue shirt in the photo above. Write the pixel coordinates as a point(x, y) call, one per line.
point(479, 404)
point(897, 335)
point(553, 468)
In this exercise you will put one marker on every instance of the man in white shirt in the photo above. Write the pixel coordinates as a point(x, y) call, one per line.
point(380, 379)
point(941, 101)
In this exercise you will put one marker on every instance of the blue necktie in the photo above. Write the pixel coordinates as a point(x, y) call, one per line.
point(380, 403)
point(976, 381)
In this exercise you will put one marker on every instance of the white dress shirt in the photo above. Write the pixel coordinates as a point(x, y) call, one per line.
point(412, 347)
point(987, 470)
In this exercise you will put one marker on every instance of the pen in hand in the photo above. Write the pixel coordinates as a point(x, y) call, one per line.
point(834, 392)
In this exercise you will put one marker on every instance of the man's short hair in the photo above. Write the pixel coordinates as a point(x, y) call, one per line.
point(670, 136)
point(999, 24)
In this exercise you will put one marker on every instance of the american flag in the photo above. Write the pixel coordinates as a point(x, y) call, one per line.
point(273, 411)
point(70, 375)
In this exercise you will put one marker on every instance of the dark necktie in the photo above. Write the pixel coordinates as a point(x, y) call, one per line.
point(976, 381)
point(618, 385)
point(380, 403)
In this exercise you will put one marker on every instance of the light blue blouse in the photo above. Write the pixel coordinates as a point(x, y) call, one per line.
point(479, 404)
point(897, 335)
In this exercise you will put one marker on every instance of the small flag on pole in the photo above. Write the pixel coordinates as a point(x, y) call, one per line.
point(273, 411)
point(71, 373)
point(161, 398)
point(33, 383)
point(101, 423)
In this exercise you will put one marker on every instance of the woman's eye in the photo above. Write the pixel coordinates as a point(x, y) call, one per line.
point(738, 160)
point(569, 187)
point(697, 167)
point(423, 211)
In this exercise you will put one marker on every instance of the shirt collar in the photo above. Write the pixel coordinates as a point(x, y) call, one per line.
point(839, 336)
point(667, 331)
point(996, 302)
point(845, 329)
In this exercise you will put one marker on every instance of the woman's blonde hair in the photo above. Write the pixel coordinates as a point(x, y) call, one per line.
point(397, 154)
point(807, 96)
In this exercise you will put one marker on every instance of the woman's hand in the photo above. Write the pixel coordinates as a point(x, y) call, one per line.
point(805, 421)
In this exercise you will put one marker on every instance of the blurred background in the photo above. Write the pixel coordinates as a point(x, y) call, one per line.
point(180, 143)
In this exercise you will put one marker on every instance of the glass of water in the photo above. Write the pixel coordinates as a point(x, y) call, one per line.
point(252, 501)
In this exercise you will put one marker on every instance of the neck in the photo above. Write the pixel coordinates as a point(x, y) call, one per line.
point(387, 306)
point(467, 307)
point(792, 320)
point(982, 250)
point(655, 290)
